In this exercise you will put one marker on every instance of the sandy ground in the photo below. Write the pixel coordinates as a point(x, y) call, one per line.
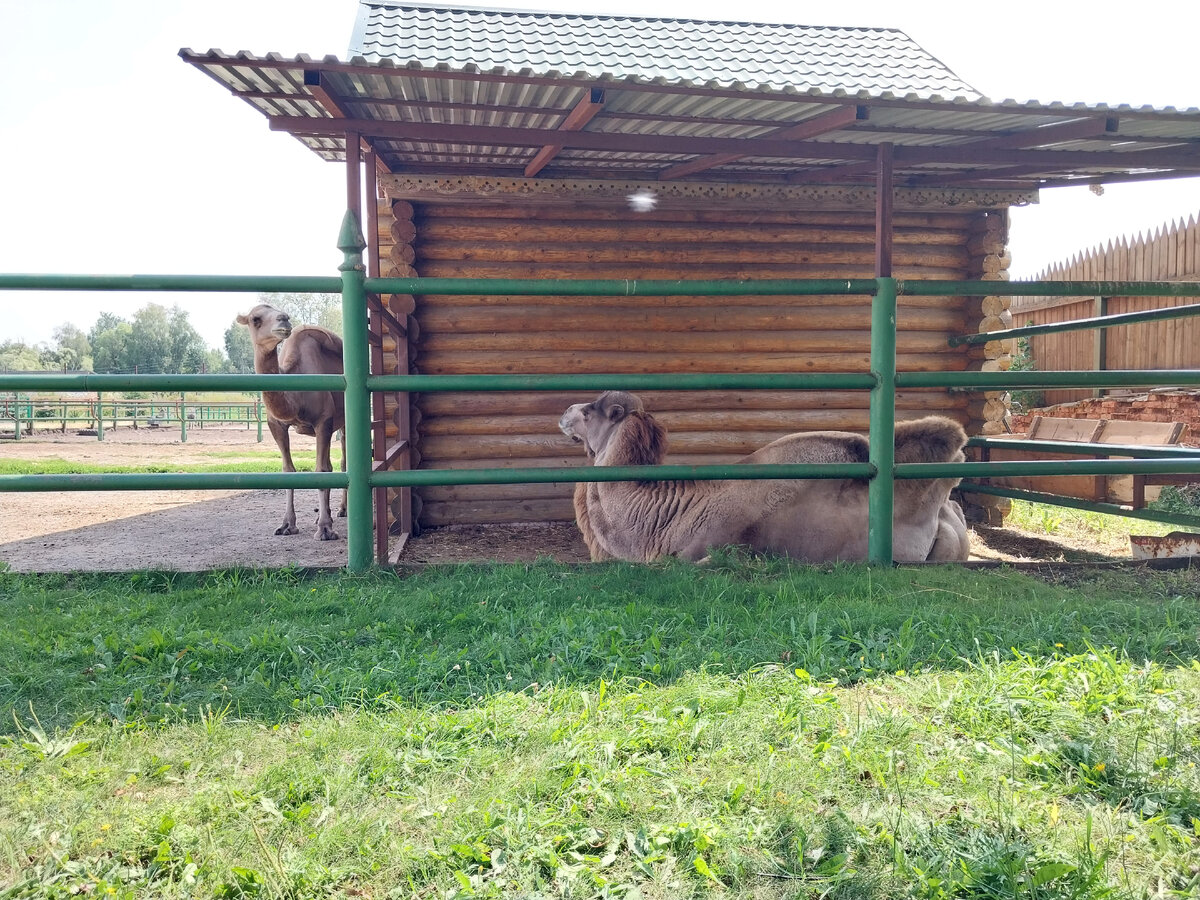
point(196, 530)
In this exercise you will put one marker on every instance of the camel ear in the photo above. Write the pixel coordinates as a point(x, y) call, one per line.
point(242, 320)
point(616, 412)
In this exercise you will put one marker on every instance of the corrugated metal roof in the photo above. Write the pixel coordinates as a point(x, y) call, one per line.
point(677, 51)
point(435, 109)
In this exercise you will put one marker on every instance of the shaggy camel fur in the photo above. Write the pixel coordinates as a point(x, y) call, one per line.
point(305, 349)
point(816, 520)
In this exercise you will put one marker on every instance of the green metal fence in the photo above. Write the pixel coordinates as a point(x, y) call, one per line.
point(881, 382)
point(30, 414)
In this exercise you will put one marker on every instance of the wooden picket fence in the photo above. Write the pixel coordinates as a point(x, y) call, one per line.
point(1171, 253)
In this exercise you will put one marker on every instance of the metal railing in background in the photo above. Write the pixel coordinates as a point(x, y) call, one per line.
point(93, 414)
point(358, 384)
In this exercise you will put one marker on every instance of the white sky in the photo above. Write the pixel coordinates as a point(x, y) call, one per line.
point(117, 157)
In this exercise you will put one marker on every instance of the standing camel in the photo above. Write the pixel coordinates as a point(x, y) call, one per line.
point(309, 350)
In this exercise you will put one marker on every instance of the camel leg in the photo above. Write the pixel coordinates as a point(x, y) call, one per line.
point(279, 431)
point(324, 435)
point(342, 511)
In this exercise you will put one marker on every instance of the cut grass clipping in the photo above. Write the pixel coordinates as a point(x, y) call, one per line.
point(750, 729)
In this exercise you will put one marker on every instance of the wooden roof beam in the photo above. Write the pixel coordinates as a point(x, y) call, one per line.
point(822, 123)
point(1186, 157)
point(585, 110)
point(1051, 134)
point(314, 82)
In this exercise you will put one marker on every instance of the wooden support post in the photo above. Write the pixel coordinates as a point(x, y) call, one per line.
point(1100, 357)
point(884, 203)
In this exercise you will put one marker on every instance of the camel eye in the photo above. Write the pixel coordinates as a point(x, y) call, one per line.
point(257, 320)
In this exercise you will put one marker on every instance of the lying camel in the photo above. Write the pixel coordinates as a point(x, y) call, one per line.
point(815, 520)
point(305, 349)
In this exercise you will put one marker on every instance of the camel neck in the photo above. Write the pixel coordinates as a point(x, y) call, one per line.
point(266, 362)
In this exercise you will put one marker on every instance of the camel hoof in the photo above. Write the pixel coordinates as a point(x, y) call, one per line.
point(285, 528)
point(325, 533)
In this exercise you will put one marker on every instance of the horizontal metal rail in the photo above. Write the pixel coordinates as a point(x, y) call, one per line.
point(1111, 509)
point(39, 382)
point(173, 481)
point(1048, 288)
point(251, 284)
point(556, 474)
point(1137, 451)
point(1113, 321)
point(992, 381)
point(1050, 467)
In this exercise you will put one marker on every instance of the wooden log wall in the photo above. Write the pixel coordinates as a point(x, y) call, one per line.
point(1171, 253)
point(495, 334)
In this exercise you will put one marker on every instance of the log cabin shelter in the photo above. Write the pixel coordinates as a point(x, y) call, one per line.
point(504, 143)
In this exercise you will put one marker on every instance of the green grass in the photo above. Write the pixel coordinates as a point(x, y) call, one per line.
point(258, 461)
point(750, 729)
point(1102, 533)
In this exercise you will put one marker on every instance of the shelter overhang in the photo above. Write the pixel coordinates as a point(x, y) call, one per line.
point(421, 120)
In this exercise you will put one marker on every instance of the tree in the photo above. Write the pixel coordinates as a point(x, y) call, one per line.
point(239, 348)
point(73, 345)
point(17, 356)
point(188, 352)
point(111, 345)
point(106, 321)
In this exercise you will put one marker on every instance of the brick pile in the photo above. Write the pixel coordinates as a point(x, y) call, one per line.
point(1153, 406)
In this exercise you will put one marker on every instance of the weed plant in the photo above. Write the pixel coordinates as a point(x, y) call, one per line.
point(749, 729)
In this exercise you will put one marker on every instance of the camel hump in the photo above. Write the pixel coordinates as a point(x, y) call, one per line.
point(931, 439)
point(327, 340)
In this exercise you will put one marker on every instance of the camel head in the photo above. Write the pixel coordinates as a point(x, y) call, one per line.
point(268, 326)
point(595, 423)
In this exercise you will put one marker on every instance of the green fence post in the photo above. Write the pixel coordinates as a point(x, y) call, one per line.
point(182, 420)
point(99, 416)
point(358, 406)
point(17, 416)
point(258, 411)
point(882, 440)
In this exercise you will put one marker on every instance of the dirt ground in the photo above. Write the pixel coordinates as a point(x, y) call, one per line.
point(196, 530)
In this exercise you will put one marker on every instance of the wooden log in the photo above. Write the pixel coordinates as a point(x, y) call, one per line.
point(582, 233)
point(402, 231)
point(401, 304)
point(618, 212)
point(551, 362)
point(439, 448)
point(716, 272)
point(402, 209)
point(619, 303)
point(690, 253)
point(435, 515)
point(552, 403)
point(785, 421)
point(395, 271)
point(730, 320)
point(402, 254)
point(678, 342)
point(477, 492)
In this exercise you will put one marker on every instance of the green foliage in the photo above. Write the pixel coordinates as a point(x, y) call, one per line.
point(157, 340)
point(750, 729)
point(239, 348)
point(1023, 361)
point(1183, 499)
point(17, 356)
